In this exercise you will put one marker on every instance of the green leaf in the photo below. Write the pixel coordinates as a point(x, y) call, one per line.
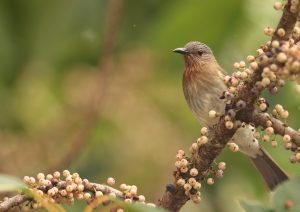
point(287, 193)
point(117, 203)
point(254, 207)
point(136, 207)
point(10, 183)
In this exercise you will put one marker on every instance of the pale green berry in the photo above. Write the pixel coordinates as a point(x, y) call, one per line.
point(278, 5)
point(193, 172)
point(210, 181)
point(222, 165)
point(110, 181)
point(286, 138)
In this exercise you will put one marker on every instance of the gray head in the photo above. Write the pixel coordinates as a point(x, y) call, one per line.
point(194, 48)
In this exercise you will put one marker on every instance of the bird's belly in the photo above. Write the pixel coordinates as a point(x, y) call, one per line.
point(203, 105)
point(203, 100)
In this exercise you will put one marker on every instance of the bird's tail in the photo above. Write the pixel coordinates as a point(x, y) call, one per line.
point(272, 174)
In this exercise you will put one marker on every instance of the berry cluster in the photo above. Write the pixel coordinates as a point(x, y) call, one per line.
point(66, 187)
point(188, 175)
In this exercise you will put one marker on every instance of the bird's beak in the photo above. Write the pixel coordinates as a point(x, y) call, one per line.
point(181, 51)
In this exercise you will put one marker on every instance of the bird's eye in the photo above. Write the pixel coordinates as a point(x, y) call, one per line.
point(200, 53)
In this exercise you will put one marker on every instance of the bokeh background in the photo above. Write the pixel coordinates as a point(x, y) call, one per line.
point(93, 86)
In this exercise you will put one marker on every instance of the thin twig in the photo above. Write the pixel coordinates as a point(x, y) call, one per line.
point(260, 119)
point(92, 112)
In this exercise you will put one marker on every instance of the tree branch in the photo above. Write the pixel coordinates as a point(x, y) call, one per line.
point(287, 22)
point(19, 199)
point(260, 119)
point(174, 197)
point(14, 201)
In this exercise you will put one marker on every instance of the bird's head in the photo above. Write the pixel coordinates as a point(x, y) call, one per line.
point(196, 54)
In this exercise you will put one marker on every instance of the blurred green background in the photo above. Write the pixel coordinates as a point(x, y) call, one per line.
point(93, 86)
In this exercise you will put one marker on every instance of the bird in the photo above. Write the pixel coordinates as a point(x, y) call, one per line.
point(203, 84)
